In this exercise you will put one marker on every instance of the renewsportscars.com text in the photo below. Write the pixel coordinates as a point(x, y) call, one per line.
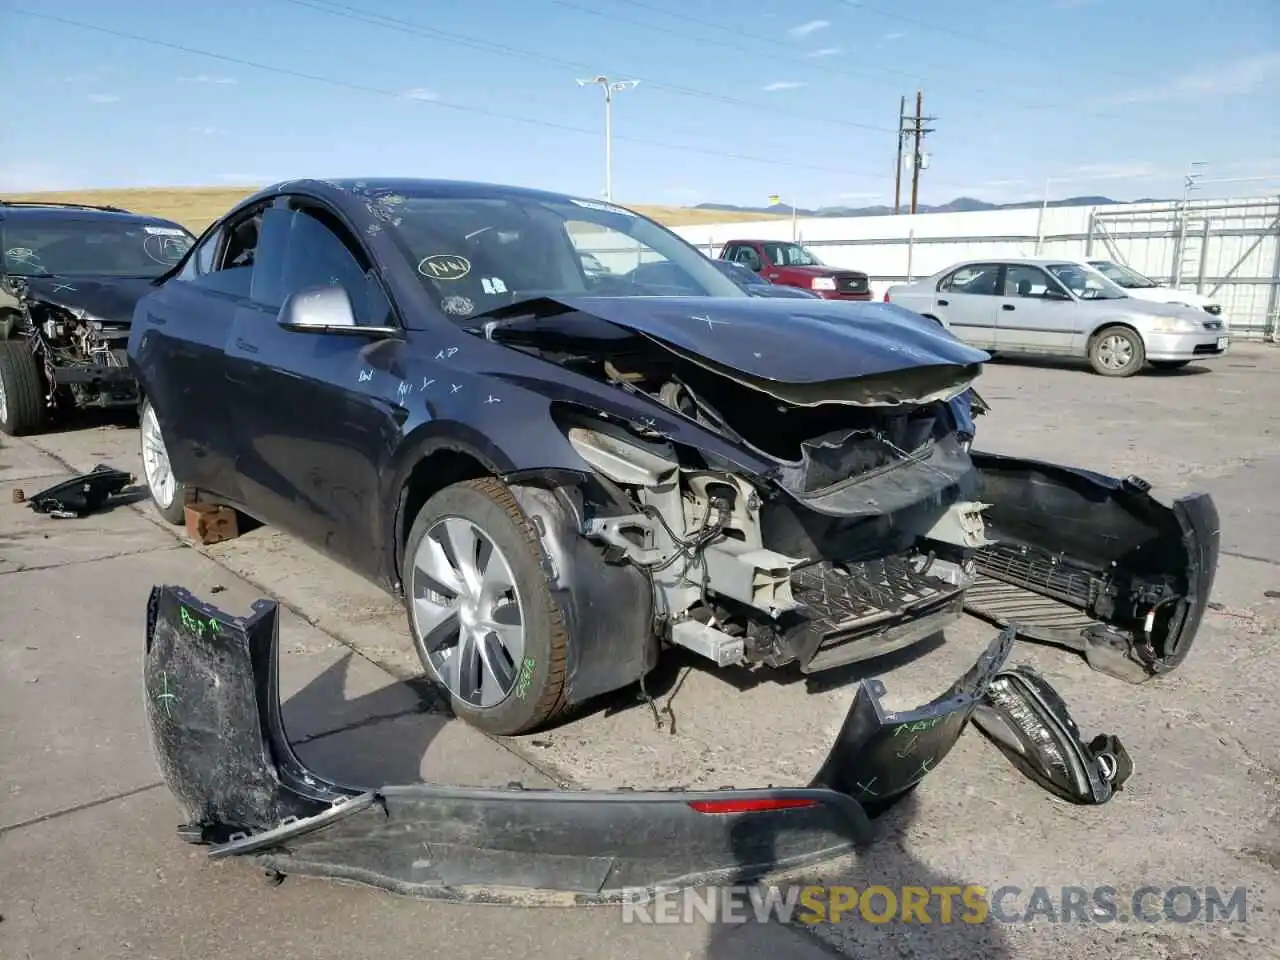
point(942, 905)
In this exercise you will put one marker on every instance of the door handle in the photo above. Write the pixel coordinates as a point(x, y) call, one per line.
point(1007, 306)
point(942, 303)
point(245, 345)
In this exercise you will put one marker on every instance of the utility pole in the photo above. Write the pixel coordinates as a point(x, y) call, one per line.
point(610, 88)
point(897, 166)
point(918, 130)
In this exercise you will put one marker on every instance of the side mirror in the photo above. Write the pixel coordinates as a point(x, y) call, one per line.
point(1054, 293)
point(325, 309)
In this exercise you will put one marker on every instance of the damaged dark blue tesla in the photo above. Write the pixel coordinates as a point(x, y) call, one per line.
point(564, 472)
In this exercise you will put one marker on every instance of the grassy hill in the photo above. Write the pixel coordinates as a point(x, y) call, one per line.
point(197, 207)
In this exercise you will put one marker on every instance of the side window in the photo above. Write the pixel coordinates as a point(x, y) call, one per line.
point(303, 249)
point(224, 261)
point(977, 278)
point(747, 257)
point(1021, 280)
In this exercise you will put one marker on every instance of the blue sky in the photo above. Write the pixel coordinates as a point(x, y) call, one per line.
point(736, 101)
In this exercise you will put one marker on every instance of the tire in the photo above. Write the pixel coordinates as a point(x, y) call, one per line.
point(22, 409)
point(1169, 364)
point(527, 687)
point(1117, 352)
point(169, 497)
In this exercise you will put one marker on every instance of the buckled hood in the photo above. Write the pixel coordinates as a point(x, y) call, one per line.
point(788, 341)
point(107, 298)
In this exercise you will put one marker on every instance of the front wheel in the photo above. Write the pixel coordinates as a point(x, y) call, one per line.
point(484, 622)
point(168, 495)
point(1117, 352)
point(22, 409)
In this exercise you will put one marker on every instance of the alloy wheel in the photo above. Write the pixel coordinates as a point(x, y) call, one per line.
point(155, 460)
point(4, 402)
point(466, 607)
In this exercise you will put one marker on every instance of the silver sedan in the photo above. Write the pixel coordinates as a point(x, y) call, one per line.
point(1048, 307)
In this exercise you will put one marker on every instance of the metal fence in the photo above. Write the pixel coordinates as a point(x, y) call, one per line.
point(1229, 250)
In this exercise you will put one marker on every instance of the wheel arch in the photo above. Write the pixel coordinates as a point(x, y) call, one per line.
point(431, 460)
point(1109, 324)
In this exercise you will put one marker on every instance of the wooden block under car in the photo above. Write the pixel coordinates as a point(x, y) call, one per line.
point(211, 523)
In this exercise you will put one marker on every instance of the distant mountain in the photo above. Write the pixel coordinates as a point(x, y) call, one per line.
point(958, 205)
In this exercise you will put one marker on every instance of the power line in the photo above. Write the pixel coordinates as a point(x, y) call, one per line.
point(1002, 94)
point(476, 43)
point(442, 104)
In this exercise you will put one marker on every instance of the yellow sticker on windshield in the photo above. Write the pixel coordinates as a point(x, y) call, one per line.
point(442, 266)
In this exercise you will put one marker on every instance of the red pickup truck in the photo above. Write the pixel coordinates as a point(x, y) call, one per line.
point(791, 265)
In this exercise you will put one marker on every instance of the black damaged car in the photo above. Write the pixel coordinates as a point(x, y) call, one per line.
point(70, 277)
point(563, 472)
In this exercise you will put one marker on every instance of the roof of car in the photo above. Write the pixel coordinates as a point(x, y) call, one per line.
point(372, 187)
point(35, 211)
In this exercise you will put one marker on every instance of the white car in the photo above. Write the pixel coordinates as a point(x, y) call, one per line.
point(1144, 288)
point(1051, 307)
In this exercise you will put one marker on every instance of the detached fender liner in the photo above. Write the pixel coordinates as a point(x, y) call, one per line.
point(1094, 563)
point(213, 704)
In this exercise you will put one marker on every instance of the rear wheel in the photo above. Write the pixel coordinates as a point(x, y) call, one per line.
point(168, 495)
point(22, 409)
point(484, 622)
point(1117, 352)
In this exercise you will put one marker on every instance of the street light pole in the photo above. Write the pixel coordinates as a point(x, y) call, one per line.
point(610, 88)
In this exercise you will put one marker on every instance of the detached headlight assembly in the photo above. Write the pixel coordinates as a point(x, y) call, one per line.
point(1027, 719)
point(1174, 325)
point(823, 283)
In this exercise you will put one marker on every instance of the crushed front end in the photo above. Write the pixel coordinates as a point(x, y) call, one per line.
point(798, 488)
point(81, 355)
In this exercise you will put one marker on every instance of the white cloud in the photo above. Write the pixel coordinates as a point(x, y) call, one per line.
point(208, 78)
point(805, 29)
point(824, 52)
point(890, 37)
point(421, 93)
point(206, 131)
point(783, 85)
point(103, 98)
point(1233, 79)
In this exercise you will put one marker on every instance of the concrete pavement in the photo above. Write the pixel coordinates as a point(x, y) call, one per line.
point(1200, 810)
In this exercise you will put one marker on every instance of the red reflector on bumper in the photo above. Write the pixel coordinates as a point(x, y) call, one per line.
point(749, 806)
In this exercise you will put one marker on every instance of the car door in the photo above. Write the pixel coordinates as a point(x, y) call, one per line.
point(313, 436)
point(966, 300)
point(1036, 314)
point(181, 337)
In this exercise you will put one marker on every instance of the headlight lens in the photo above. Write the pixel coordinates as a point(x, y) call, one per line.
point(1174, 325)
point(823, 283)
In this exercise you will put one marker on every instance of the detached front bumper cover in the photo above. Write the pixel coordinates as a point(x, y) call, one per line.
point(217, 729)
